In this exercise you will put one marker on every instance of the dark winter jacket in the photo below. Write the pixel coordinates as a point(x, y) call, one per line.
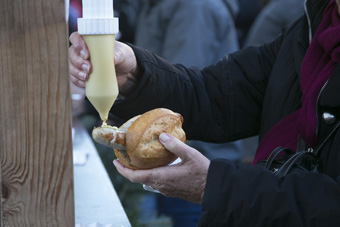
point(245, 94)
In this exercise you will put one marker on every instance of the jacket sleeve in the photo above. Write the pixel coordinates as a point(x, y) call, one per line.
point(220, 103)
point(243, 195)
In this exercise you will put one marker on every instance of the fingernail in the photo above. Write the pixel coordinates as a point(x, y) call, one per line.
point(82, 75)
point(83, 54)
point(164, 137)
point(85, 67)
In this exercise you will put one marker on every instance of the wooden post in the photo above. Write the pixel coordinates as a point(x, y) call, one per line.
point(35, 115)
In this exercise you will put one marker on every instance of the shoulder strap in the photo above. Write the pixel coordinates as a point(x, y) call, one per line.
point(274, 154)
point(284, 169)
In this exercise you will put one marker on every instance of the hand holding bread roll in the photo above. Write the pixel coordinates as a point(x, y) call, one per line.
point(136, 143)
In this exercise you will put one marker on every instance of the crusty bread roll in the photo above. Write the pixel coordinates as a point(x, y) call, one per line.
point(136, 142)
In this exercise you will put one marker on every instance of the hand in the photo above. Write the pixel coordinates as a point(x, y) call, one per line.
point(124, 59)
point(185, 180)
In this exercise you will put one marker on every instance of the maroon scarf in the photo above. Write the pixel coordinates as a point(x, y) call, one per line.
point(319, 62)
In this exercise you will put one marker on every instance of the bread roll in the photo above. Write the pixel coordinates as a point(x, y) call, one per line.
point(136, 142)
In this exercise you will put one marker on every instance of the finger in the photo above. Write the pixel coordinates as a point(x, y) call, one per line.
point(75, 72)
point(78, 62)
point(176, 146)
point(79, 44)
point(135, 176)
point(80, 66)
point(76, 56)
point(77, 82)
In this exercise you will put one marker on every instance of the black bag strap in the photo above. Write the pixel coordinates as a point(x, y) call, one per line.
point(284, 169)
point(274, 154)
point(312, 154)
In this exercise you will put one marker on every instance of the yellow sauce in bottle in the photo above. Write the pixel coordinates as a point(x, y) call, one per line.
point(101, 88)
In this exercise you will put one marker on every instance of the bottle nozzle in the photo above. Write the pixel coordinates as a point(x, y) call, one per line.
point(97, 9)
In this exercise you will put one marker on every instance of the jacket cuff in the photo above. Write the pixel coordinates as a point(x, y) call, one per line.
point(216, 190)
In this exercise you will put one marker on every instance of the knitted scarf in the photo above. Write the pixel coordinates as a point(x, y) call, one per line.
point(320, 60)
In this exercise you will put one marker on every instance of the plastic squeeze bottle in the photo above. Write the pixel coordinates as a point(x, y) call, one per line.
point(98, 27)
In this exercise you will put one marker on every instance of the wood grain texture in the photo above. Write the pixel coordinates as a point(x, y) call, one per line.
point(35, 115)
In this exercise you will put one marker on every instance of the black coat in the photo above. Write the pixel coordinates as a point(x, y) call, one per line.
point(245, 94)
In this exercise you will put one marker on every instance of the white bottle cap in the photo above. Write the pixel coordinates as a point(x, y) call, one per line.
point(97, 18)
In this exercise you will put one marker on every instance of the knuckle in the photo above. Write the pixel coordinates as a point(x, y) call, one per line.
point(77, 46)
point(172, 145)
point(73, 80)
point(73, 71)
point(78, 62)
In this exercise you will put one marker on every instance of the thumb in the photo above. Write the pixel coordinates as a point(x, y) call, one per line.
point(176, 146)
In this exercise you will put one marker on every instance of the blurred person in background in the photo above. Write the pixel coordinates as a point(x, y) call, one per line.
point(272, 19)
point(127, 12)
point(248, 11)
